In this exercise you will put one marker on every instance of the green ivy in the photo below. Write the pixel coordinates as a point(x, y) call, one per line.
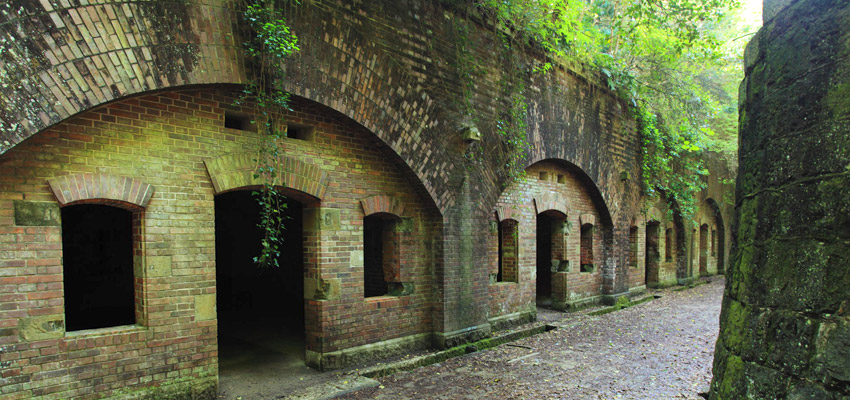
point(662, 57)
point(671, 162)
point(269, 41)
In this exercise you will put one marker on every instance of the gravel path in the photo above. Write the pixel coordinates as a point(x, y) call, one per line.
point(662, 349)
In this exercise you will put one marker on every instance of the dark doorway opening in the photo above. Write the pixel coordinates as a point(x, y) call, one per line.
point(376, 233)
point(260, 310)
point(653, 256)
point(703, 249)
point(97, 250)
point(544, 260)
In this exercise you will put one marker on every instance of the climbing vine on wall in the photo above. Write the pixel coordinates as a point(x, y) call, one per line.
point(269, 40)
point(670, 161)
point(512, 125)
point(662, 57)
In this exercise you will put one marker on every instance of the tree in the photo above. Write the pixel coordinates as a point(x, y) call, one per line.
point(666, 57)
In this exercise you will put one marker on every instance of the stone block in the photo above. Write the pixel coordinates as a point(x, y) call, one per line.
point(37, 213)
point(205, 309)
point(400, 288)
point(612, 299)
point(42, 327)
point(321, 289)
point(405, 225)
point(770, 8)
point(751, 54)
point(158, 266)
point(329, 219)
point(832, 360)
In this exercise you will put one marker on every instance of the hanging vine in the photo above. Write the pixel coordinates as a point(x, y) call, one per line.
point(269, 41)
point(512, 126)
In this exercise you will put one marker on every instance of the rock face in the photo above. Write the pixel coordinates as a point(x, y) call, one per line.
point(784, 328)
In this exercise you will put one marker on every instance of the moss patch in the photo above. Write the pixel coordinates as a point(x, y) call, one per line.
point(622, 303)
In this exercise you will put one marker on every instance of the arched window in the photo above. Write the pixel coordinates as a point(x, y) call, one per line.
point(101, 238)
point(380, 253)
point(633, 246)
point(668, 245)
point(714, 243)
point(97, 243)
point(508, 251)
point(703, 249)
point(586, 247)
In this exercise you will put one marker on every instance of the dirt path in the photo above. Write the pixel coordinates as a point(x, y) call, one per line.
point(658, 350)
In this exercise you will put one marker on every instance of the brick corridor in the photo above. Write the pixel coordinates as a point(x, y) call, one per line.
point(658, 350)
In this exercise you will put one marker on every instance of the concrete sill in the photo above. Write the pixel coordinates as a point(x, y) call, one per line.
point(112, 330)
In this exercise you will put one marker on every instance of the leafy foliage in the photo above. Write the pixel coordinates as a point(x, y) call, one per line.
point(269, 41)
point(664, 56)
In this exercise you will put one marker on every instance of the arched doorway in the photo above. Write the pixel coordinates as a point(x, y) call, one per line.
point(718, 240)
point(261, 311)
point(551, 251)
point(653, 256)
point(703, 250)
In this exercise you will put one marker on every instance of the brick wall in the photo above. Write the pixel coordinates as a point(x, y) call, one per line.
point(164, 140)
point(522, 202)
point(391, 86)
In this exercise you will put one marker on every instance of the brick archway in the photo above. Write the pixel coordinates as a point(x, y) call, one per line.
point(236, 171)
point(120, 191)
point(382, 204)
point(71, 77)
point(549, 202)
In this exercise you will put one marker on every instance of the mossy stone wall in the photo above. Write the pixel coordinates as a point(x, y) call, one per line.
point(784, 327)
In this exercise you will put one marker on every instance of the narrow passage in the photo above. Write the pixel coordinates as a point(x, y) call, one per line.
point(658, 350)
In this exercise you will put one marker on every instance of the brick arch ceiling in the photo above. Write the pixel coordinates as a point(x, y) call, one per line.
point(593, 189)
point(58, 61)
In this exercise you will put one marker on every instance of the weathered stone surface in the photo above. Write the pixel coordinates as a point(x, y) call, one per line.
point(158, 266)
point(205, 309)
point(42, 327)
point(34, 213)
point(141, 90)
point(784, 329)
point(321, 289)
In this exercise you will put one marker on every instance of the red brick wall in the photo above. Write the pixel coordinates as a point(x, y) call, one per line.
point(163, 139)
point(506, 298)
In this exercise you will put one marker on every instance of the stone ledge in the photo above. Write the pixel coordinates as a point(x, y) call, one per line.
point(191, 389)
point(507, 321)
point(367, 352)
point(637, 290)
point(611, 299)
point(577, 304)
point(663, 284)
point(686, 281)
point(445, 340)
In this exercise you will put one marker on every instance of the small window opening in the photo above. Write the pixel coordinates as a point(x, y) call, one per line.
point(300, 132)
point(586, 246)
point(241, 122)
point(703, 249)
point(97, 245)
point(544, 176)
point(508, 251)
point(668, 245)
point(633, 246)
point(562, 179)
point(652, 253)
point(380, 254)
point(713, 243)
